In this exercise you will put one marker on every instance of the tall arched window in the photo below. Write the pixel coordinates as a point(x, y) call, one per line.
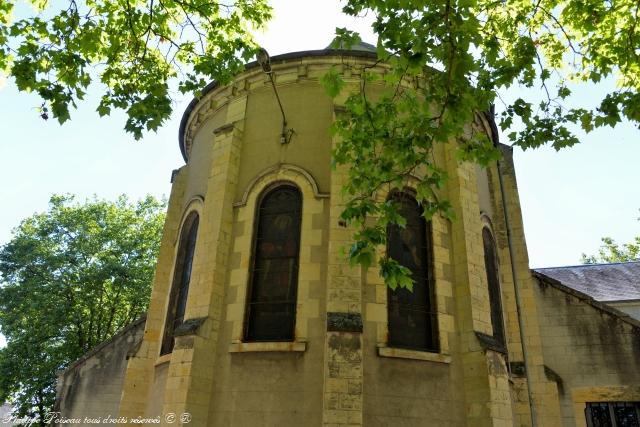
point(493, 281)
point(271, 302)
point(412, 316)
point(181, 278)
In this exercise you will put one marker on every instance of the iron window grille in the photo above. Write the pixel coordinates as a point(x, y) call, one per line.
point(613, 414)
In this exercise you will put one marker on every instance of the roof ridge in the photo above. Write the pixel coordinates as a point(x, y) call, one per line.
point(587, 265)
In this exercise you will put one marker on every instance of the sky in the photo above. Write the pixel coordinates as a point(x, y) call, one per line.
point(570, 199)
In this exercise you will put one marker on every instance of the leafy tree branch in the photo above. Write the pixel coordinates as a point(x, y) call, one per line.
point(445, 61)
point(610, 251)
point(134, 48)
point(462, 55)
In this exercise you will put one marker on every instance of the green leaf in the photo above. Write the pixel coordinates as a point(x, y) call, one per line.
point(345, 39)
point(395, 275)
point(563, 92)
point(332, 82)
point(361, 254)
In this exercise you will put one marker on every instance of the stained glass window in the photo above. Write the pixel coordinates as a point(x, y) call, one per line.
point(181, 278)
point(598, 415)
point(613, 414)
point(271, 306)
point(493, 281)
point(626, 414)
point(412, 317)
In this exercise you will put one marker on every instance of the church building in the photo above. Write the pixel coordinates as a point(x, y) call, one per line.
point(256, 317)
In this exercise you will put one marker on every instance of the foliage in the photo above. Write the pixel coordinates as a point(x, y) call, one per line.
point(449, 62)
point(133, 47)
point(610, 251)
point(70, 278)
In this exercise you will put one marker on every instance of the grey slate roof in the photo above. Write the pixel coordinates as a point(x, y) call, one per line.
point(363, 46)
point(602, 282)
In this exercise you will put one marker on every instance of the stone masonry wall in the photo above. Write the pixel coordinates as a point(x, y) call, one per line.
point(594, 352)
point(91, 387)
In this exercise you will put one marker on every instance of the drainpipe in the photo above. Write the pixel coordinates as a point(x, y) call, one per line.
point(514, 272)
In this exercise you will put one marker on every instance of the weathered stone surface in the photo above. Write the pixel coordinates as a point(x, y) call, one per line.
point(91, 386)
point(344, 322)
point(189, 326)
point(489, 342)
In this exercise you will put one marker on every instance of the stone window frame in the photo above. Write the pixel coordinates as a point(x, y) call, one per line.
point(195, 205)
point(307, 307)
point(377, 312)
point(610, 408)
point(580, 396)
point(249, 326)
point(426, 258)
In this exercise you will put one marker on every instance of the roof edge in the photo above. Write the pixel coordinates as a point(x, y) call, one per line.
point(254, 64)
point(624, 317)
point(622, 301)
point(586, 265)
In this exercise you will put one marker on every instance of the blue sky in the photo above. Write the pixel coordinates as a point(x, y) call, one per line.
point(569, 199)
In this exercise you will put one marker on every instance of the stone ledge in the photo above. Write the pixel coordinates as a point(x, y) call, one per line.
point(403, 353)
point(248, 347)
point(189, 327)
point(163, 359)
point(224, 128)
point(489, 342)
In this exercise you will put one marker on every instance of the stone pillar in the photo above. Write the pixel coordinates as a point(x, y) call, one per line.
point(342, 403)
point(140, 367)
point(544, 391)
point(191, 372)
point(485, 375)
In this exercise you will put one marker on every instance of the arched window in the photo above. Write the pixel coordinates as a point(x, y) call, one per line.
point(181, 278)
point(493, 281)
point(412, 316)
point(271, 302)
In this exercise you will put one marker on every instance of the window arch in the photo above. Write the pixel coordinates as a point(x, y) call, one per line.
point(181, 279)
point(493, 282)
point(412, 321)
point(271, 302)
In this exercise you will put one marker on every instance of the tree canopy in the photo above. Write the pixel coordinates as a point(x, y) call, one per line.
point(449, 59)
point(132, 47)
point(452, 60)
point(610, 251)
point(69, 279)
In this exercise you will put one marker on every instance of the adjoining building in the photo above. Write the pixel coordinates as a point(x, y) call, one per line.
point(592, 345)
point(257, 319)
point(616, 285)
